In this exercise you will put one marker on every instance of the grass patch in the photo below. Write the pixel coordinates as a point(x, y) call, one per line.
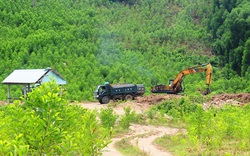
point(126, 148)
point(175, 123)
point(172, 144)
point(120, 131)
point(158, 118)
point(179, 146)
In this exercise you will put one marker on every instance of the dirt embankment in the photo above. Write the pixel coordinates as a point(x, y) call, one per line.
point(216, 100)
point(232, 99)
point(156, 98)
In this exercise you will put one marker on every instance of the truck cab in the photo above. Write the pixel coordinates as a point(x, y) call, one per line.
point(100, 90)
point(104, 93)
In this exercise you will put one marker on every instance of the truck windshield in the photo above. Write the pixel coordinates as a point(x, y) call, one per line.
point(100, 89)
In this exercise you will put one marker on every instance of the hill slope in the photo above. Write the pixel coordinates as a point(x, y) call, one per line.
point(89, 43)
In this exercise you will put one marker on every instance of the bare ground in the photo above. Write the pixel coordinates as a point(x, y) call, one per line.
point(152, 133)
point(233, 99)
point(143, 136)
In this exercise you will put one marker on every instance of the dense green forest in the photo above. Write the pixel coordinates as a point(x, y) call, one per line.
point(123, 41)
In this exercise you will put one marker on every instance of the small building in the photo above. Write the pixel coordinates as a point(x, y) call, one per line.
point(29, 77)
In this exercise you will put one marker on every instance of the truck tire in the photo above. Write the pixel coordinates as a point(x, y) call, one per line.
point(128, 97)
point(105, 100)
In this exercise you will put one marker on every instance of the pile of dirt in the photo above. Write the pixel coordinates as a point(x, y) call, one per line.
point(216, 100)
point(242, 97)
point(3, 103)
point(231, 99)
point(156, 98)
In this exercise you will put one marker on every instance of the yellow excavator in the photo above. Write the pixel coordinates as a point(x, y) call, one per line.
point(175, 86)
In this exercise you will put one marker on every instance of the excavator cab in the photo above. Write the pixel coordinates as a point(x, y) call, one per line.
point(171, 82)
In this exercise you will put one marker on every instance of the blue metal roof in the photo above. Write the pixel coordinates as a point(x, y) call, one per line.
point(31, 76)
point(54, 76)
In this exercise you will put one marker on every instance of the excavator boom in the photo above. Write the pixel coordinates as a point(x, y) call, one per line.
point(209, 74)
point(175, 85)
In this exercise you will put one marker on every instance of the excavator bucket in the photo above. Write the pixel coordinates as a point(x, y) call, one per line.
point(205, 92)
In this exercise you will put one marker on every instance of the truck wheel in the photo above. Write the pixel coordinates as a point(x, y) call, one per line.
point(105, 100)
point(128, 97)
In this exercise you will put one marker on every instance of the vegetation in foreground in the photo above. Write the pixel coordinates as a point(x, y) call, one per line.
point(44, 124)
point(216, 131)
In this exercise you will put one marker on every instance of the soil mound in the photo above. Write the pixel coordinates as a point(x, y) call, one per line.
point(216, 100)
point(156, 98)
point(242, 97)
point(232, 99)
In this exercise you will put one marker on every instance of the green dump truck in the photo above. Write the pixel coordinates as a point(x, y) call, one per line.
point(106, 92)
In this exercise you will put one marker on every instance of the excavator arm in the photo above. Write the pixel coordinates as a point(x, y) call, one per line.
point(175, 85)
point(209, 72)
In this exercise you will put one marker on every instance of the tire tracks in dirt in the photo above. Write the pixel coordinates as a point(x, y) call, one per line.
point(145, 143)
point(143, 136)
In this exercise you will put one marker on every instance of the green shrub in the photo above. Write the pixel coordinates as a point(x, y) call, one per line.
point(107, 116)
point(12, 140)
point(128, 117)
point(177, 108)
point(151, 113)
point(219, 128)
point(44, 124)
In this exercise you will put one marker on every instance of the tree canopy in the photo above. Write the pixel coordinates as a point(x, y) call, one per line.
point(230, 26)
point(149, 42)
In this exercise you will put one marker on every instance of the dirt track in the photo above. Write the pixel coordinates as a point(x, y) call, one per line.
point(149, 132)
point(142, 104)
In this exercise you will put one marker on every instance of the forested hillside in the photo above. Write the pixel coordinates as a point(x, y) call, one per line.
point(230, 27)
point(142, 41)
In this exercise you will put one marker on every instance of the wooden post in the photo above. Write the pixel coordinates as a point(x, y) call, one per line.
point(8, 94)
point(60, 91)
point(28, 87)
point(24, 91)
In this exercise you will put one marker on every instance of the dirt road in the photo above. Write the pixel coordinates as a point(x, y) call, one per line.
point(148, 133)
point(142, 136)
point(137, 107)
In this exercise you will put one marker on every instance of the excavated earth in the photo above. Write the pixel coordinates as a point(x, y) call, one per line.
point(141, 104)
point(232, 99)
point(216, 100)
